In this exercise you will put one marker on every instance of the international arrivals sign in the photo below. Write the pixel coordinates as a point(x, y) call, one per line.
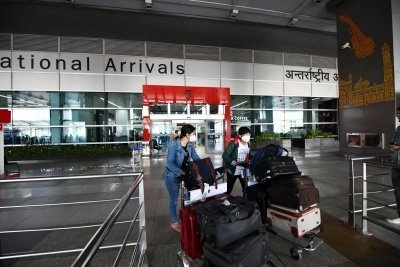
point(75, 63)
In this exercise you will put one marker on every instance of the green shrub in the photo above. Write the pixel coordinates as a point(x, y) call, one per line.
point(34, 152)
point(310, 134)
point(268, 136)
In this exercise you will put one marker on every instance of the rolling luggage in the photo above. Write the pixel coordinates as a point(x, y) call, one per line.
point(221, 222)
point(275, 167)
point(249, 251)
point(296, 192)
point(294, 221)
point(190, 239)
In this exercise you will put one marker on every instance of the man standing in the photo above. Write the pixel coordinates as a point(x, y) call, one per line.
point(395, 147)
point(237, 153)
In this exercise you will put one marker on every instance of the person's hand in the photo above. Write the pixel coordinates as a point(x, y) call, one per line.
point(394, 146)
point(181, 177)
point(244, 164)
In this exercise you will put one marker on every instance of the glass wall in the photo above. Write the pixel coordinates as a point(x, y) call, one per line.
point(86, 117)
point(72, 117)
point(284, 114)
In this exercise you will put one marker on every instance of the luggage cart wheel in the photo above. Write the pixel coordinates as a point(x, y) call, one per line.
point(296, 253)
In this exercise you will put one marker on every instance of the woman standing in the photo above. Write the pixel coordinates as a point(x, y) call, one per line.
point(180, 152)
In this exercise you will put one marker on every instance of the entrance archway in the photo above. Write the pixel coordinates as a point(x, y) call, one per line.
point(215, 97)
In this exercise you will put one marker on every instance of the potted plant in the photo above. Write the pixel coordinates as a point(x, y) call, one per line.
point(315, 138)
point(265, 138)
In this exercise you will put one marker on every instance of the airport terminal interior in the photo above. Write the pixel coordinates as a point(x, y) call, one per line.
point(122, 77)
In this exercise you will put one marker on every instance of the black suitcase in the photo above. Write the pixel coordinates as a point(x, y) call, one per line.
point(275, 167)
point(221, 224)
point(258, 193)
point(297, 192)
point(250, 251)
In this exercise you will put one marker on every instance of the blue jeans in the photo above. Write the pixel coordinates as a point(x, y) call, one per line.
point(173, 185)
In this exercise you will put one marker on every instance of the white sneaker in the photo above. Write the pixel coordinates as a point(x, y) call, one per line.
point(394, 221)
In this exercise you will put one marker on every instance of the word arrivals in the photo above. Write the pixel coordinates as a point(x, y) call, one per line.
point(141, 67)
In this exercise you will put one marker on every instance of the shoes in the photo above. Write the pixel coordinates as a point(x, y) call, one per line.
point(176, 227)
point(394, 221)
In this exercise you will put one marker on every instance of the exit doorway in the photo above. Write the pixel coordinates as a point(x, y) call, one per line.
point(210, 134)
point(167, 108)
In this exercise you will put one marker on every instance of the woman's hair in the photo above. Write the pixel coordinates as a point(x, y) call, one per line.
point(243, 130)
point(187, 129)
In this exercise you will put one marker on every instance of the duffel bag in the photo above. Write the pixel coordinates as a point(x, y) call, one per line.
point(251, 250)
point(222, 222)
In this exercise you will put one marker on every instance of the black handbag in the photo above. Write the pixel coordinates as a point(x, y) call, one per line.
point(200, 172)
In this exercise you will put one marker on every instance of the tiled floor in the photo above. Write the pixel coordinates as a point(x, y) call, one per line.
point(343, 246)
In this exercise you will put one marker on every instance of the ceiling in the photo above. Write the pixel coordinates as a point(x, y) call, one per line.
point(289, 26)
point(306, 14)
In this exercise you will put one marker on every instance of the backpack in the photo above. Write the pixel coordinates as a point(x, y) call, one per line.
point(268, 151)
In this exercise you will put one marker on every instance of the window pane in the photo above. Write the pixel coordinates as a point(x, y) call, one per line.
point(31, 99)
point(124, 100)
point(240, 101)
point(159, 108)
point(83, 100)
point(291, 102)
point(263, 116)
point(31, 117)
point(5, 99)
point(268, 102)
point(201, 109)
point(179, 109)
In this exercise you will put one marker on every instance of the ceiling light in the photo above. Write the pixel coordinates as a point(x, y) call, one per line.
point(239, 104)
point(293, 20)
point(234, 12)
point(148, 3)
point(345, 46)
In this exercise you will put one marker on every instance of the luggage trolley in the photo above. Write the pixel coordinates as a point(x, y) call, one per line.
point(298, 223)
point(308, 225)
point(189, 201)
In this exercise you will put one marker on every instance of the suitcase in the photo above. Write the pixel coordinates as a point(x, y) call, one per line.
point(294, 221)
point(190, 239)
point(258, 192)
point(221, 223)
point(297, 192)
point(275, 167)
point(249, 251)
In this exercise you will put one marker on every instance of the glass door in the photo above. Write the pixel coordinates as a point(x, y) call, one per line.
point(160, 135)
point(214, 139)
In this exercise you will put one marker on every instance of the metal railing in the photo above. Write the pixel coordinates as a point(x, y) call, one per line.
point(89, 251)
point(352, 211)
point(366, 199)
